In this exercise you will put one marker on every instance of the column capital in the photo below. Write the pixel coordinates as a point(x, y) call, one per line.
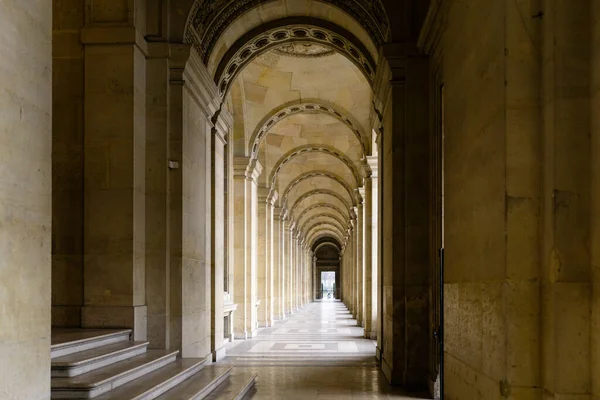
point(277, 213)
point(254, 170)
point(247, 167)
point(361, 190)
point(373, 162)
point(272, 197)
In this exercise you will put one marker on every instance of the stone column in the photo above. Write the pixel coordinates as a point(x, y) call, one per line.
point(350, 256)
point(404, 149)
point(262, 261)
point(26, 181)
point(299, 269)
point(369, 316)
point(217, 227)
point(114, 181)
point(286, 265)
point(276, 265)
point(373, 261)
point(271, 235)
point(359, 259)
point(245, 174)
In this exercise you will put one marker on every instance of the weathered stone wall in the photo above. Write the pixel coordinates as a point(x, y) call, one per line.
point(595, 195)
point(491, 200)
point(517, 200)
point(196, 233)
point(67, 163)
point(25, 203)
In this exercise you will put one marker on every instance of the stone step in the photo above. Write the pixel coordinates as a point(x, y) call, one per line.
point(200, 385)
point(69, 341)
point(98, 382)
point(88, 360)
point(154, 384)
point(234, 388)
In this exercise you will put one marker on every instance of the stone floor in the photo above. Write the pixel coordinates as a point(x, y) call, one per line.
point(316, 353)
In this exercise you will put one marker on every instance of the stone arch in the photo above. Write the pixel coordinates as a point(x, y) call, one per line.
point(305, 106)
point(320, 205)
point(314, 148)
point(327, 215)
point(315, 192)
point(293, 29)
point(322, 234)
point(327, 240)
point(313, 174)
point(208, 21)
point(323, 244)
point(328, 225)
point(317, 183)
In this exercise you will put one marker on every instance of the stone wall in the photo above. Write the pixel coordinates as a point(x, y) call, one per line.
point(25, 203)
point(492, 188)
point(196, 230)
point(595, 195)
point(67, 163)
point(517, 200)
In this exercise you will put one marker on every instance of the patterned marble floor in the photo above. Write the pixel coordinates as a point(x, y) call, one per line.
point(317, 353)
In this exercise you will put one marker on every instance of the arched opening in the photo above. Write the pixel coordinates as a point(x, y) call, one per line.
point(327, 268)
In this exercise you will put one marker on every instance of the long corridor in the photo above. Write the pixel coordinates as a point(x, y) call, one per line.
point(317, 353)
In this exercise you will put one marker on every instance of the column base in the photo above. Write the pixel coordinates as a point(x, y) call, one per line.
point(130, 317)
point(410, 379)
point(244, 335)
point(371, 335)
point(265, 324)
point(219, 354)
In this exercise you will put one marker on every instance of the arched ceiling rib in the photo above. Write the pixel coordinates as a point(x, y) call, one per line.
point(214, 23)
point(320, 194)
point(276, 33)
point(326, 244)
point(328, 240)
point(324, 233)
point(328, 225)
point(324, 206)
point(314, 174)
point(320, 217)
point(309, 149)
point(305, 106)
point(318, 183)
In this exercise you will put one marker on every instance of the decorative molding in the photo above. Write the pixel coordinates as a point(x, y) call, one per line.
point(324, 233)
point(324, 215)
point(323, 244)
point(285, 31)
point(303, 50)
point(315, 192)
point(314, 174)
point(286, 158)
point(321, 205)
point(299, 107)
point(208, 20)
point(324, 225)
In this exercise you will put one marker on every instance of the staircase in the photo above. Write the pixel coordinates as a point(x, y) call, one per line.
point(105, 364)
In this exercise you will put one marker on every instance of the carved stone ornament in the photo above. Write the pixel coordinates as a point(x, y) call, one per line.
point(210, 18)
point(287, 35)
point(304, 50)
point(312, 149)
point(303, 108)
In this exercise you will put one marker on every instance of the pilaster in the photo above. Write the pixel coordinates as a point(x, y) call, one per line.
point(245, 175)
point(114, 182)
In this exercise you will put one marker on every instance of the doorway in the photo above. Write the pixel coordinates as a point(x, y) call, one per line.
point(328, 286)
